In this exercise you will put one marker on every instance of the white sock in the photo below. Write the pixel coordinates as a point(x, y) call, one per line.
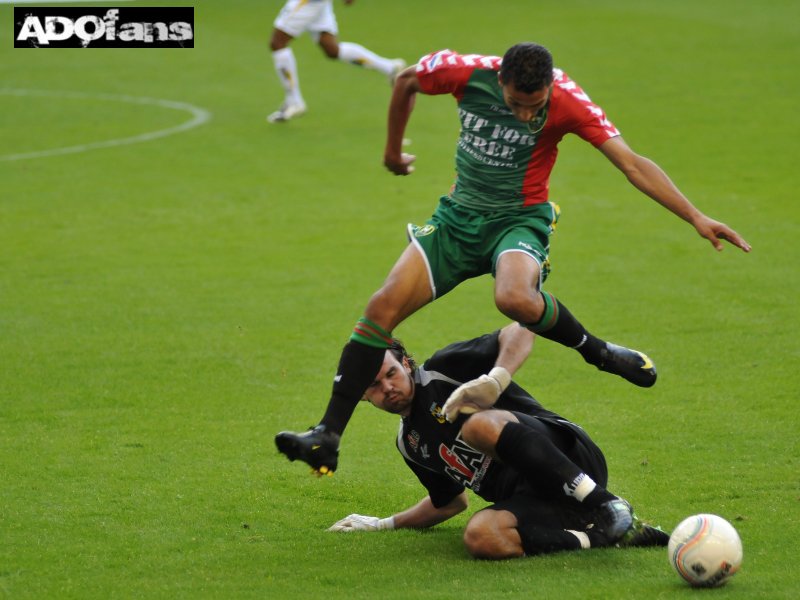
point(582, 538)
point(358, 55)
point(286, 68)
point(582, 486)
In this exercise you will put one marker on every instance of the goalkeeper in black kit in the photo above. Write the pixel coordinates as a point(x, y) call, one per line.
point(544, 475)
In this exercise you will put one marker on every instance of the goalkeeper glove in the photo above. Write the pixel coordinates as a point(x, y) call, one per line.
point(478, 394)
point(362, 523)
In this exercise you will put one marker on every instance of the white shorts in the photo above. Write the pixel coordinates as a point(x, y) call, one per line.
point(313, 16)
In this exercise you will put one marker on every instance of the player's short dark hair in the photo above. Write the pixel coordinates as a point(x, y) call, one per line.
point(528, 66)
point(399, 351)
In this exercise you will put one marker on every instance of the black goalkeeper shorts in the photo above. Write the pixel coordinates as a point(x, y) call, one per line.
point(532, 506)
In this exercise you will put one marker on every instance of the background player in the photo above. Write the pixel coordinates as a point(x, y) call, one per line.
point(316, 17)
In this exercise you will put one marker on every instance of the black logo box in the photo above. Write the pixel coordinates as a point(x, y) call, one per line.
point(128, 27)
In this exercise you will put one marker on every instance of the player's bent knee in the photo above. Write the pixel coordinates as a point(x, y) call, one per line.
point(329, 46)
point(485, 537)
point(478, 543)
point(482, 429)
point(279, 40)
point(519, 305)
point(471, 431)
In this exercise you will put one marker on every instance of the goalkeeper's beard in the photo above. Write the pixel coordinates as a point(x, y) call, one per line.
point(396, 402)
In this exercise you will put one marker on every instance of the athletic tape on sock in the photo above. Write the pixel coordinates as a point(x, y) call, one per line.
point(549, 317)
point(369, 333)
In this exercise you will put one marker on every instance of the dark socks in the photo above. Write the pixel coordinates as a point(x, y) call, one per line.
point(358, 366)
point(360, 362)
point(559, 325)
point(529, 449)
point(542, 540)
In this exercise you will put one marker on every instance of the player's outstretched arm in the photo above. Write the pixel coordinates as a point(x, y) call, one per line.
point(650, 179)
point(405, 91)
point(421, 515)
point(515, 343)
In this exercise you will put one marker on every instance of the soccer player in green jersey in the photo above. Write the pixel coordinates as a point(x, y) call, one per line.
point(497, 218)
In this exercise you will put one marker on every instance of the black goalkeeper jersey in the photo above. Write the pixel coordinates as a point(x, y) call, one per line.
point(433, 448)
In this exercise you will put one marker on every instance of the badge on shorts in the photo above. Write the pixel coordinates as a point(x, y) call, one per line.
point(422, 231)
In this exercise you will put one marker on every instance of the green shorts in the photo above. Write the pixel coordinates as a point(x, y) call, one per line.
point(459, 243)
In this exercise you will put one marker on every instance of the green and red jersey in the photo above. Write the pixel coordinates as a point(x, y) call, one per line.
point(502, 162)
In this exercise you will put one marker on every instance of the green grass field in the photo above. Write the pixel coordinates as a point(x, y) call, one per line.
point(167, 306)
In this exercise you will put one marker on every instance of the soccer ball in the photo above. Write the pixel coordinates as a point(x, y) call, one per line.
point(705, 550)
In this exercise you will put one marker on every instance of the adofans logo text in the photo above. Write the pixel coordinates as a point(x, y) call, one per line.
point(134, 27)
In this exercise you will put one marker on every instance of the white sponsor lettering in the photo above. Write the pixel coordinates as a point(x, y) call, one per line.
point(495, 146)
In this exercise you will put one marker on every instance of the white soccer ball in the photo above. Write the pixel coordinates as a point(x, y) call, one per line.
point(705, 550)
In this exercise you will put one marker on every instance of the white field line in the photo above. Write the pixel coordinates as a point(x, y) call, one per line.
point(199, 117)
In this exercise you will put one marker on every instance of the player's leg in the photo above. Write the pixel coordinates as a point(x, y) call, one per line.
point(517, 295)
point(518, 278)
point(493, 534)
point(560, 461)
point(538, 451)
point(432, 265)
point(498, 533)
point(292, 20)
point(406, 289)
point(356, 54)
point(327, 31)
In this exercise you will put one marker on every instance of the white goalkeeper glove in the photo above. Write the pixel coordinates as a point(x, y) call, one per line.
point(478, 394)
point(362, 523)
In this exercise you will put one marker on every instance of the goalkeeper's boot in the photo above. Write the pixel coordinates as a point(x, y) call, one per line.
point(317, 447)
point(611, 521)
point(632, 365)
point(642, 534)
